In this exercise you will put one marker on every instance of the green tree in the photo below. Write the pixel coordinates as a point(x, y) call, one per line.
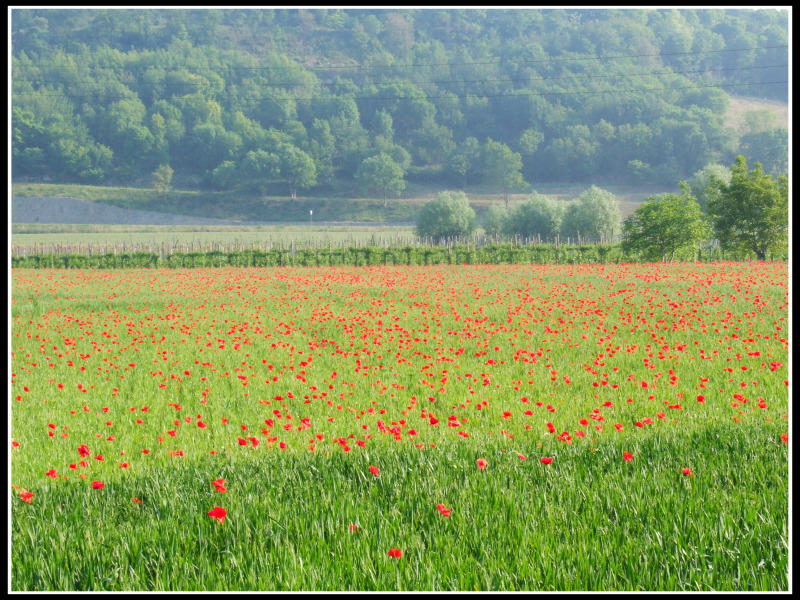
point(224, 176)
point(752, 211)
point(162, 178)
point(665, 224)
point(381, 173)
point(594, 216)
point(502, 168)
point(261, 167)
point(701, 179)
point(462, 160)
point(539, 216)
point(494, 221)
point(297, 168)
point(771, 147)
point(448, 215)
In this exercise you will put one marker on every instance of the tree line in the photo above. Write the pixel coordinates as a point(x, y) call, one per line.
point(366, 101)
point(744, 211)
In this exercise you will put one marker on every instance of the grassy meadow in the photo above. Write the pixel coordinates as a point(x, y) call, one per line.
point(508, 427)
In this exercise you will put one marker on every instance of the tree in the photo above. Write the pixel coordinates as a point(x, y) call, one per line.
point(297, 167)
point(539, 216)
point(502, 167)
point(752, 211)
point(770, 146)
point(700, 181)
point(224, 176)
point(593, 216)
point(261, 166)
point(448, 215)
point(664, 224)
point(494, 221)
point(162, 178)
point(381, 173)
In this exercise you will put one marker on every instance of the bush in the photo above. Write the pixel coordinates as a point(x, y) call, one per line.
point(539, 217)
point(449, 215)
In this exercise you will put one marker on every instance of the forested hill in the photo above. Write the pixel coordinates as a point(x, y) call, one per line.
point(303, 100)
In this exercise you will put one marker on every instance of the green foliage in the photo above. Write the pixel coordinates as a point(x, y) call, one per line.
point(448, 215)
point(539, 217)
point(494, 221)
point(162, 178)
point(752, 211)
point(663, 225)
point(297, 168)
point(260, 167)
point(107, 96)
point(702, 179)
point(502, 168)
point(594, 216)
point(381, 173)
point(769, 147)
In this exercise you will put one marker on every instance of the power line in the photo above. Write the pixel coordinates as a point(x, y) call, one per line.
point(467, 63)
point(425, 97)
point(438, 82)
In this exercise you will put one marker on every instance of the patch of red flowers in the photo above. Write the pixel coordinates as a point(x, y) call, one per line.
point(218, 513)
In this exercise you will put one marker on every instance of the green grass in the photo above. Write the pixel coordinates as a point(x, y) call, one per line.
point(31, 234)
point(234, 206)
point(396, 337)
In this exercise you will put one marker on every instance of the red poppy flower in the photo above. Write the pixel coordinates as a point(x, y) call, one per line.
point(14, 444)
point(219, 485)
point(354, 528)
point(521, 457)
point(83, 450)
point(98, 485)
point(136, 500)
point(627, 456)
point(52, 473)
point(482, 463)
point(546, 460)
point(785, 438)
point(395, 553)
point(26, 496)
point(374, 470)
point(218, 513)
point(687, 471)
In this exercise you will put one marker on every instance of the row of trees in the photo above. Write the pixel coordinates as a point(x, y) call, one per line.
point(592, 217)
point(745, 210)
point(454, 98)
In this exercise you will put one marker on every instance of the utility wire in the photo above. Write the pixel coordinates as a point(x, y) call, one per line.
point(439, 82)
point(450, 64)
point(425, 97)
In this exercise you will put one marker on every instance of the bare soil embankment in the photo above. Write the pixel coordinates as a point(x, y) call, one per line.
point(38, 209)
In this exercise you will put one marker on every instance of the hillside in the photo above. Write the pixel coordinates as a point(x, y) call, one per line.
point(369, 103)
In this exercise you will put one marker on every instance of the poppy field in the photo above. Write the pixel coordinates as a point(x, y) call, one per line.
point(449, 427)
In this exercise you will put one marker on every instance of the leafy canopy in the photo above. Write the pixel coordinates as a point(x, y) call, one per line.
point(665, 224)
point(448, 215)
point(752, 211)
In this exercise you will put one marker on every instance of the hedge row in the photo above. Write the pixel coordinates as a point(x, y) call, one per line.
point(369, 255)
